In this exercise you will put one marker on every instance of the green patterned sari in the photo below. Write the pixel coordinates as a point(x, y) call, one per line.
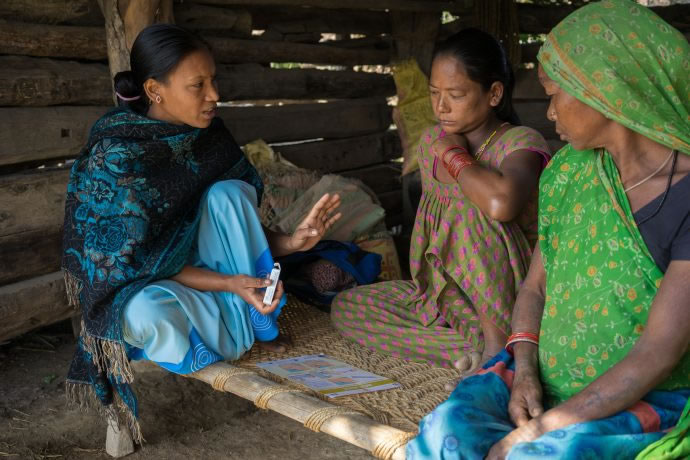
point(625, 62)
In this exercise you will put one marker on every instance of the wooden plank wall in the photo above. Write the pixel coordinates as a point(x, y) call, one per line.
point(55, 82)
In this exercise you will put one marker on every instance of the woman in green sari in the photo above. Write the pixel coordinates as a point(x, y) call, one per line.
point(598, 365)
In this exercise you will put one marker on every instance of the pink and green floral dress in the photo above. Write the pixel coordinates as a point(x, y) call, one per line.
point(461, 262)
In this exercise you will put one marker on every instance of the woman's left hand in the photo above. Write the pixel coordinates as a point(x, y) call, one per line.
point(316, 224)
point(526, 433)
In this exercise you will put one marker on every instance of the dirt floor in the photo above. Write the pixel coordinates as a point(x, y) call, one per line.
point(181, 418)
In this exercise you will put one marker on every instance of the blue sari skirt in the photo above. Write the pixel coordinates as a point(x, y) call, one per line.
point(184, 330)
point(475, 417)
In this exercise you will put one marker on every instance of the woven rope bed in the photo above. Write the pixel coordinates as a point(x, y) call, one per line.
point(381, 422)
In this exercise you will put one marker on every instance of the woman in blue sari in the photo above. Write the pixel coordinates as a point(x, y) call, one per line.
point(164, 252)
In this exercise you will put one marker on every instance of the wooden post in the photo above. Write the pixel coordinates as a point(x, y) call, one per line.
point(415, 35)
point(124, 19)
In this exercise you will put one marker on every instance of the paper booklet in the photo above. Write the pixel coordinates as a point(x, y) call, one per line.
point(328, 376)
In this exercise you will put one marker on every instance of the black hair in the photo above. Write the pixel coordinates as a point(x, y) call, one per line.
point(485, 62)
point(156, 51)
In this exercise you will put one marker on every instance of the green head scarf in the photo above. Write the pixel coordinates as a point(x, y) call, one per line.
point(624, 61)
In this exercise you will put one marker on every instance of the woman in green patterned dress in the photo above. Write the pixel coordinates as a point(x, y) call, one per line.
point(475, 225)
point(598, 364)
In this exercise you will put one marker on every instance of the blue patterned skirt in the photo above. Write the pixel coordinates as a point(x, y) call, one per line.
point(475, 417)
point(182, 329)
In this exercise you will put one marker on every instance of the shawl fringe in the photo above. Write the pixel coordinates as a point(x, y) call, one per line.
point(82, 396)
point(109, 356)
point(73, 289)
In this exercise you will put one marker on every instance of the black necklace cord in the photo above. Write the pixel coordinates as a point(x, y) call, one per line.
point(668, 187)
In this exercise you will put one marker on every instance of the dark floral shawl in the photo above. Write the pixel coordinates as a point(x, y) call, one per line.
point(131, 218)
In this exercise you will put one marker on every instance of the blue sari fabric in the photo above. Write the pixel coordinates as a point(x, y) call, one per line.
point(475, 417)
point(130, 219)
point(184, 330)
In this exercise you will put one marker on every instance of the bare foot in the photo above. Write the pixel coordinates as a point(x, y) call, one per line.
point(278, 345)
point(471, 363)
point(466, 365)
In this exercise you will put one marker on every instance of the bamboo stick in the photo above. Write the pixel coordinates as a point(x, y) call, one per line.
point(355, 429)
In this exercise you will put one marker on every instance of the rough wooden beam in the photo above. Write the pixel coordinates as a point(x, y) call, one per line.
point(90, 43)
point(33, 303)
point(415, 34)
point(137, 14)
point(253, 81)
point(380, 178)
point(293, 122)
point(30, 81)
point(300, 20)
point(69, 12)
point(230, 50)
point(55, 41)
point(63, 132)
point(537, 19)
point(212, 20)
point(28, 254)
point(392, 5)
point(33, 201)
point(343, 154)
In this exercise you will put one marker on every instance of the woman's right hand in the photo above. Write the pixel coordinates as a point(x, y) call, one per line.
point(248, 288)
point(525, 396)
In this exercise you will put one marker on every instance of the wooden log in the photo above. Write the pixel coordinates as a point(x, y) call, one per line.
point(289, 20)
point(381, 5)
point(90, 43)
point(253, 81)
point(33, 303)
point(68, 12)
point(29, 81)
point(137, 14)
point(212, 20)
point(380, 178)
point(343, 154)
point(294, 122)
point(55, 41)
point(356, 429)
point(32, 202)
point(415, 34)
point(28, 254)
point(64, 130)
point(231, 50)
point(538, 19)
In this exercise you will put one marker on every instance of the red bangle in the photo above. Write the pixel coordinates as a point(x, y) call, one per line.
point(458, 162)
point(521, 337)
point(452, 147)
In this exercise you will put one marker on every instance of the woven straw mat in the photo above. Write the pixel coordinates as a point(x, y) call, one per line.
point(311, 332)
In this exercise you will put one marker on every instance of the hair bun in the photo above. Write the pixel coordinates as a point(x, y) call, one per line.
point(125, 85)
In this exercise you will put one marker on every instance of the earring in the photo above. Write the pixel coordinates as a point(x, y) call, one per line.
point(158, 98)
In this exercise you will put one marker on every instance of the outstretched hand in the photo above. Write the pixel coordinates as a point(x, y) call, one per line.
point(316, 224)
